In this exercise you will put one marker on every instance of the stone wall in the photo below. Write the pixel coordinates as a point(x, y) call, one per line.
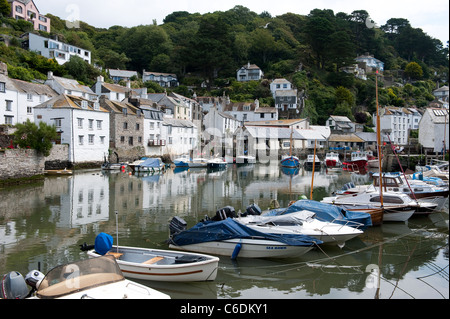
point(20, 163)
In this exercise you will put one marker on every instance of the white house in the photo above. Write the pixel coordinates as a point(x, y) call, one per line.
point(152, 132)
point(341, 124)
point(69, 87)
point(249, 72)
point(113, 92)
point(370, 62)
point(166, 80)
point(181, 136)
point(121, 75)
point(398, 121)
point(81, 123)
point(18, 98)
point(53, 48)
point(434, 129)
point(250, 112)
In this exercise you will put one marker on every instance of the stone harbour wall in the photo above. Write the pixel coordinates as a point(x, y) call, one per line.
point(20, 163)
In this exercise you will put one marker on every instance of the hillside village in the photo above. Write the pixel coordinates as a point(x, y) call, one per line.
point(113, 122)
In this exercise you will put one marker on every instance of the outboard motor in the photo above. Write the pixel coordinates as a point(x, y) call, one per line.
point(224, 213)
point(253, 210)
point(177, 225)
point(13, 286)
point(34, 278)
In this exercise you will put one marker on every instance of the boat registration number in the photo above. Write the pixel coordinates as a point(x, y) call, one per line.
point(276, 247)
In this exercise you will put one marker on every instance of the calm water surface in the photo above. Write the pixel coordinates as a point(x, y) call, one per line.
point(45, 224)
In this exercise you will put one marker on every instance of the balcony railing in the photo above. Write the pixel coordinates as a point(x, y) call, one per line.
point(156, 143)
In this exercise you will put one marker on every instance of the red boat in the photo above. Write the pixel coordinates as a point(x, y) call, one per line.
point(359, 161)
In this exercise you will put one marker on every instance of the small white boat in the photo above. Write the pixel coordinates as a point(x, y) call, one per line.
point(312, 161)
point(397, 206)
point(147, 165)
point(93, 278)
point(302, 222)
point(114, 166)
point(332, 161)
point(163, 265)
point(217, 163)
point(250, 248)
point(245, 159)
point(230, 238)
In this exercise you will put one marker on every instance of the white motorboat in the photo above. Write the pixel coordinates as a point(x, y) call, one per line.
point(312, 161)
point(217, 163)
point(147, 165)
point(230, 238)
point(93, 278)
point(163, 265)
point(396, 183)
point(302, 222)
point(332, 161)
point(186, 161)
point(397, 206)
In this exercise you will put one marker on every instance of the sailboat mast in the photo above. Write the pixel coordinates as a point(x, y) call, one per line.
point(379, 141)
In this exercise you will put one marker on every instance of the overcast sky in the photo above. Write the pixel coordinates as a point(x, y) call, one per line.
point(432, 16)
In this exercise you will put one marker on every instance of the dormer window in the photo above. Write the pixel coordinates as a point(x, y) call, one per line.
point(84, 104)
point(96, 106)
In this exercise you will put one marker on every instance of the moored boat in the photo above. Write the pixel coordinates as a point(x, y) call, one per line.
point(162, 265)
point(93, 278)
point(230, 238)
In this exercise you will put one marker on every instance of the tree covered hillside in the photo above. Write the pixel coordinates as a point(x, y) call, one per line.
point(307, 50)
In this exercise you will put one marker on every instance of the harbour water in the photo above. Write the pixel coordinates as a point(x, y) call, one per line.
point(43, 226)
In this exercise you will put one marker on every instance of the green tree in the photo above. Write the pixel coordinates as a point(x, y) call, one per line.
point(38, 137)
point(414, 71)
point(5, 8)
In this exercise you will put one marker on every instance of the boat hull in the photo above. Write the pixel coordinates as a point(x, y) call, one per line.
point(132, 263)
point(290, 162)
point(251, 248)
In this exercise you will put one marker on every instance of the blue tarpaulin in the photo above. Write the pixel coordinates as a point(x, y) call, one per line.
point(327, 212)
point(103, 243)
point(151, 162)
point(230, 229)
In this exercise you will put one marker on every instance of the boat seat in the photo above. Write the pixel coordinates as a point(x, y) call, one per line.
point(153, 260)
point(116, 255)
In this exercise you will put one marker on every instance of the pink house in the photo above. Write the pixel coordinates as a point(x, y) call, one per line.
point(27, 10)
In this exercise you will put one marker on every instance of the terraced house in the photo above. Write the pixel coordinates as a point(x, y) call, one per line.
point(27, 10)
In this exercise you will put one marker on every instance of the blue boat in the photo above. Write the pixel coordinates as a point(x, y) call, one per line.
point(290, 162)
point(328, 213)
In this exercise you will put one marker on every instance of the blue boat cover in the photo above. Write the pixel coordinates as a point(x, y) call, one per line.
point(103, 243)
point(151, 162)
point(327, 212)
point(230, 229)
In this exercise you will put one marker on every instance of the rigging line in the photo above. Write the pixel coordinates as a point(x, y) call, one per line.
point(426, 283)
point(403, 270)
point(435, 273)
point(346, 254)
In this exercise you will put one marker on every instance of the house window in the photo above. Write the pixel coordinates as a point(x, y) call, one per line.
point(125, 125)
point(80, 140)
point(58, 123)
point(9, 119)
point(91, 124)
point(80, 123)
point(102, 140)
point(261, 115)
point(138, 127)
point(8, 105)
point(122, 139)
point(91, 139)
point(99, 125)
point(29, 110)
point(19, 9)
point(130, 141)
point(152, 126)
point(2, 87)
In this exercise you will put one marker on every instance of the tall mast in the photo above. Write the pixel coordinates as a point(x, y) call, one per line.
point(379, 141)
